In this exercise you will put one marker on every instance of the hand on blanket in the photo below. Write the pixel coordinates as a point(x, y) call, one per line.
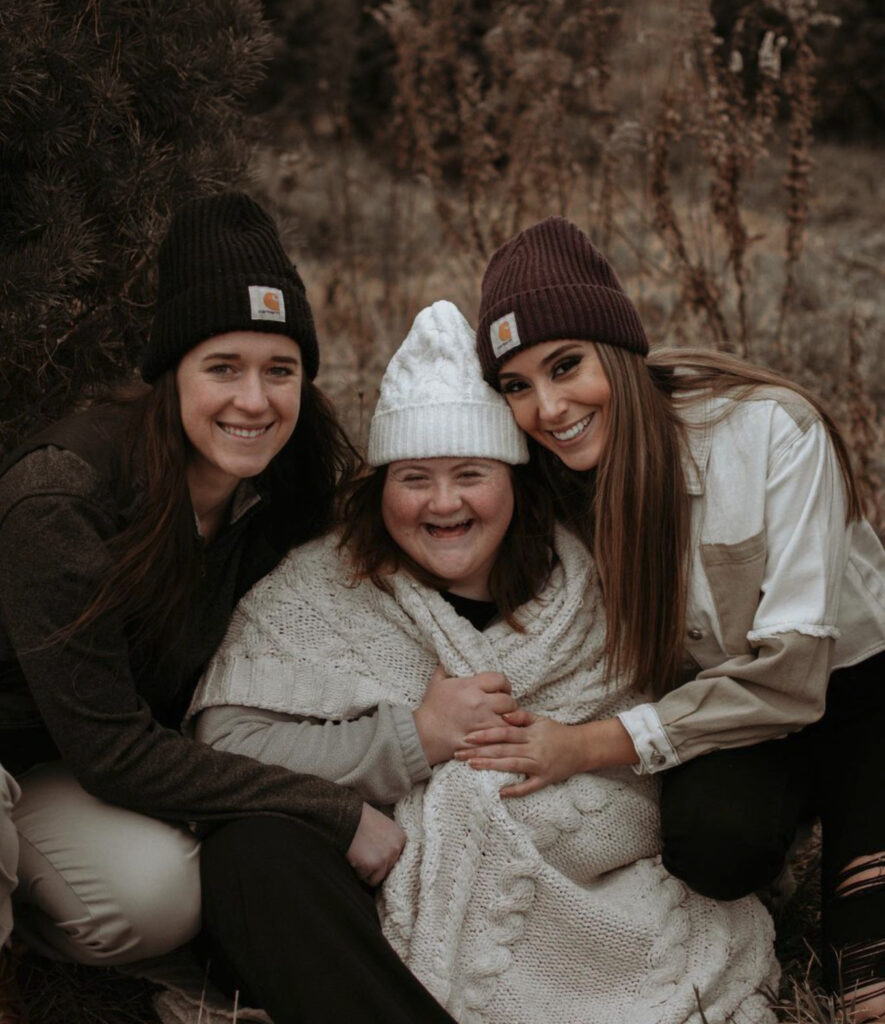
point(376, 846)
point(545, 750)
point(454, 706)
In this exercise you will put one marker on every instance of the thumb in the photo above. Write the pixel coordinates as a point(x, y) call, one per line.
point(519, 717)
point(439, 673)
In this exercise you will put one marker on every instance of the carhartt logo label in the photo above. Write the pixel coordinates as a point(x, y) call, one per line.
point(504, 334)
point(267, 303)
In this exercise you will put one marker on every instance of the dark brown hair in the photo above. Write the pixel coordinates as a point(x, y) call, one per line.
point(156, 565)
point(633, 509)
point(520, 571)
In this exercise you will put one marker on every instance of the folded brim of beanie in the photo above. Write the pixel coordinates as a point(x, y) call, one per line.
point(219, 306)
point(579, 311)
point(446, 430)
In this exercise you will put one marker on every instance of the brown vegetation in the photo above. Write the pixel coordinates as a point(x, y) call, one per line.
point(730, 227)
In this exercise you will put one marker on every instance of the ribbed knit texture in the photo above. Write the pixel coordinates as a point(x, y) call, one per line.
point(216, 249)
point(434, 402)
point(550, 907)
point(556, 284)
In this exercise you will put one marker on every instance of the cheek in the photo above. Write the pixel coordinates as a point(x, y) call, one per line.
point(191, 421)
point(289, 412)
point(292, 407)
point(522, 410)
point(398, 513)
point(195, 406)
point(496, 508)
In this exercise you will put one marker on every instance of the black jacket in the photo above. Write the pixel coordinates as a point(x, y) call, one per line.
point(109, 710)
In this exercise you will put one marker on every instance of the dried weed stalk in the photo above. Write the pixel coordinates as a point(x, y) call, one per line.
point(733, 87)
point(488, 97)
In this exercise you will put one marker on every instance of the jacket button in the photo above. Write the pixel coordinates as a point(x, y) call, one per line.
point(695, 634)
point(657, 759)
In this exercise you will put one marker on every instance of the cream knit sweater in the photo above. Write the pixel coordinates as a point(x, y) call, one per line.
point(548, 907)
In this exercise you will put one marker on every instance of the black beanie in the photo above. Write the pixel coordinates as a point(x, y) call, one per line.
point(547, 283)
point(223, 268)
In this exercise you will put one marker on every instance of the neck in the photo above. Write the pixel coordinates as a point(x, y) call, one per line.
point(478, 591)
point(210, 496)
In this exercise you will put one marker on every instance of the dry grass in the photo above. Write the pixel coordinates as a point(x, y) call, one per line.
point(69, 994)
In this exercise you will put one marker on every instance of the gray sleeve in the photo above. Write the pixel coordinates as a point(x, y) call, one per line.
point(379, 754)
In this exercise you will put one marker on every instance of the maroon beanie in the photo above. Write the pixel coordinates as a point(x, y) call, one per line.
point(551, 282)
point(223, 268)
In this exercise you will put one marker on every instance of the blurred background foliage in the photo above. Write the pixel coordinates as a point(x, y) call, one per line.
point(723, 152)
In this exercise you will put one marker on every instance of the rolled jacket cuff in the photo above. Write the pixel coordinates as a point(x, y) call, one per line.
point(656, 752)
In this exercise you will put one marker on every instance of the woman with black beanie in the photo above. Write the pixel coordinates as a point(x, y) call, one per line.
point(127, 534)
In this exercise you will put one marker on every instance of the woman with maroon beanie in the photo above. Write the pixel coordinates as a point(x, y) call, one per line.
point(743, 589)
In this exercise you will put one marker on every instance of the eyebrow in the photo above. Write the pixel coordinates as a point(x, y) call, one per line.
point(233, 356)
point(414, 465)
point(555, 354)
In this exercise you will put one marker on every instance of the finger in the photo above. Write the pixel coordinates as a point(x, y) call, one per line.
point(531, 785)
point(493, 682)
point(520, 717)
point(498, 734)
point(439, 673)
point(503, 763)
point(502, 703)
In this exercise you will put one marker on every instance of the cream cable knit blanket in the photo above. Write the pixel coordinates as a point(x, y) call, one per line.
point(553, 906)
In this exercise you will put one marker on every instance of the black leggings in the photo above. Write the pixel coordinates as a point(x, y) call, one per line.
point(729, 817)
point(289, 924)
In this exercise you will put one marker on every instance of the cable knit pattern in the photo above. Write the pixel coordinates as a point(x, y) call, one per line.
point(550, 906)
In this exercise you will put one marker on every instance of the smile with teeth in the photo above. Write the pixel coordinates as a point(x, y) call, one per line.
point(455, 530)
point(247, 432)
point(573, 431)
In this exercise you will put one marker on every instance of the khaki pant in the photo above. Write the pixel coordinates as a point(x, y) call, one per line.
point(97, 884)
point(9, 793)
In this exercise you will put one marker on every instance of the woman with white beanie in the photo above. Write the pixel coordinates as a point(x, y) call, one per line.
point(363, 658)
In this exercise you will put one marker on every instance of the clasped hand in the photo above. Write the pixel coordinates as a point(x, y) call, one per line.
point(544, 750)
point(455, 706)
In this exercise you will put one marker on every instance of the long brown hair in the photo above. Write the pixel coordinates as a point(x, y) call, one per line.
point(521, 568)
point(633, 509)
point(155, 563)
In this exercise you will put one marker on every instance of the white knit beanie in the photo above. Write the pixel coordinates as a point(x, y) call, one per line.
point(434, 402)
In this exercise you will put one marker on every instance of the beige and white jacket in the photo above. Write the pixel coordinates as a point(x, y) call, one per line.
point(781, 591)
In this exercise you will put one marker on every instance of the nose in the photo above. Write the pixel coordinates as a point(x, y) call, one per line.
point(251, 395)
point(551, 403)
point(444, 498)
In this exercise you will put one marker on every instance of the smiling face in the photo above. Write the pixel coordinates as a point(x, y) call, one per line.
point(240, 394)
point(450, 515)
point(560, 396)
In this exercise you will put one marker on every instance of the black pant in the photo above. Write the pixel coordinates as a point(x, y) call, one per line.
point(289, 924)
point(729, 817)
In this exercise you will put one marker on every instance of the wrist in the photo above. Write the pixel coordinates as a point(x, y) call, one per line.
point(604, 744)
point(434, 748)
